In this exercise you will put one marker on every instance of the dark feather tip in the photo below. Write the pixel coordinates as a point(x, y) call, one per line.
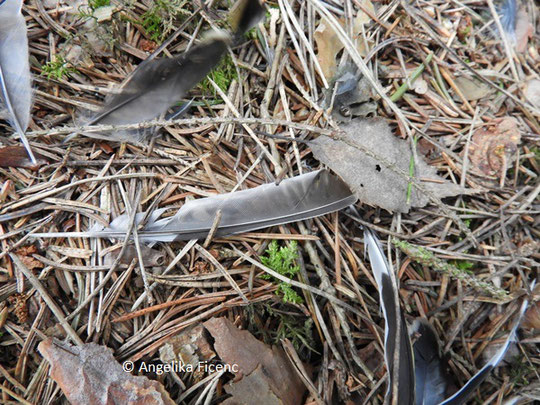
point(244, 15)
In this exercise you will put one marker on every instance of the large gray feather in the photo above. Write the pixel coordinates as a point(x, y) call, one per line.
point(15, 80)
point(158, 84)
point(301, 197)
point(387, 286)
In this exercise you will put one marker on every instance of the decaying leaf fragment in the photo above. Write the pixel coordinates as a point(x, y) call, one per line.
point(89, 374)
point(473, 88)
point(371, 181)
point(350, 96)
point(264, 373)
point(493, 146)
point(189, 347)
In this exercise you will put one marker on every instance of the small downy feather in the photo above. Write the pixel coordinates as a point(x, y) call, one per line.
point(388, 294)
point(430, 378)
point(15, 79)
point(301, 197)
point(158, 84)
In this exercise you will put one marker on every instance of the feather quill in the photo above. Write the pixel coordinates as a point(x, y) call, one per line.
point(15, 79)
point(301, 197)
point(430, 378)
point(158, 84)
point(387, 286)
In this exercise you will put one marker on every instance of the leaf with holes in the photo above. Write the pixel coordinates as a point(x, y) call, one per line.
point(371, 180)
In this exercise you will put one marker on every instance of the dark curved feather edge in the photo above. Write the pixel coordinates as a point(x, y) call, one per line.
point(468, 389)
point(394, 319)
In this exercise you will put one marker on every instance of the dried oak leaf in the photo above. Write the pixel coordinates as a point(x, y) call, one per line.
point(371, 181)
point(329, 45)
point(262, 370)
point(493, 146)
point(89, 374)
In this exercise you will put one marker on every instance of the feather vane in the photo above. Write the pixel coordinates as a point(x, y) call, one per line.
point(157, 84)
point(394, 320)
point(15, 79)
point(301, 197)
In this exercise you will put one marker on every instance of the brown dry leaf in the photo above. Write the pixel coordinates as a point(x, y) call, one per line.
point(258, 366)
point(531, 319)
point(493, 146)
point(252, 389)
point(16, 156)
point(329, 45)
point(89, 374)
point(371, 181)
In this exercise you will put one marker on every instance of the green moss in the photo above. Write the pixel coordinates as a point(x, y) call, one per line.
point(272, 324)
point(95, 4)
point(158, 21)
point(282, 260)
point(57, 68)
point(223, 75)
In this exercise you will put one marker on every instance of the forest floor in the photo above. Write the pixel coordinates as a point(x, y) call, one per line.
point(461, 96)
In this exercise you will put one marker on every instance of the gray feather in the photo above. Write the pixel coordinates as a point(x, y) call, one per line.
point(430, 378)
point(387, 286)
point(157, 84)
point(15, 79)
point(301, 197)
point(468, 389)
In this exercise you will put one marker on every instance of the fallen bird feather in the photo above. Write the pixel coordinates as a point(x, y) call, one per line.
point(158, 84)
point(394, 320)
point(295, 199)
point(15, 79)
point(468, 389)
point(431, 382)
